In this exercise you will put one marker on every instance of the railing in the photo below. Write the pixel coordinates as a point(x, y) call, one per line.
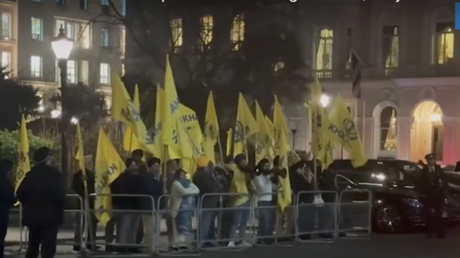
point(224, 222)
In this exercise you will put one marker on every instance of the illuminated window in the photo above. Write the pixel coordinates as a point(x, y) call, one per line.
point(84, 35)
point(390, 46)
point(71, 71)
point(36, 66)
point(6, 61)
point(123, 41)
point(237, 31)
point(349, 42)
point(6, 25)
point(324, 50)
point(206, 31)
point(388, 129)
point(37, 28)
point(104, 74)
point(84, 71)
point(176, 34)
point(444, 44)
point(105, 37)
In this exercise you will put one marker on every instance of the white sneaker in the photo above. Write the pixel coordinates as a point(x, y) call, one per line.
point(231, 244)
point(245, 244)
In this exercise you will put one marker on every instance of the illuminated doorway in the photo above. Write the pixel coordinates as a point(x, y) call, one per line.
point(427, 131)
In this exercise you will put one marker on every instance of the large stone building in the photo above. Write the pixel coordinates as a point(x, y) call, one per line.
point(410, 80)
point(29, 26)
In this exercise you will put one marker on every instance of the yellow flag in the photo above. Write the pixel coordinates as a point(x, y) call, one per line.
point(174, 135)
point(124, 110)
point(24, 160)
point(322, 146)
point(108, 167)
point(156, 130)
point(280, 125)
point(130, 141)
point(263, 139)
point(271, 148)
point(342, 129)
point(211, 129)
point(245, 127)
point(229, 142)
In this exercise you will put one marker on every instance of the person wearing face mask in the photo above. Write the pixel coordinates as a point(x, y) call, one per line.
point(264, 189)
point(42, 196)
point(7, 199)
point(151, 185)
point(240, 202)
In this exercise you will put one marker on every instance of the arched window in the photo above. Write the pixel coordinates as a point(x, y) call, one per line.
point(388, 131)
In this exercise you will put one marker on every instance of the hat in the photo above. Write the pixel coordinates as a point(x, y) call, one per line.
point(41, 155)
point(429, 156)
point(202, 162)
point(239, 158)
point(262, 163)
point(6, 165)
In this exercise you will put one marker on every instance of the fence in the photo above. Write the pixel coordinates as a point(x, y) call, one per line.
point(211, 222)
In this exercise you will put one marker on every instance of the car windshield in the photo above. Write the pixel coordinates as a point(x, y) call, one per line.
point(413, 169)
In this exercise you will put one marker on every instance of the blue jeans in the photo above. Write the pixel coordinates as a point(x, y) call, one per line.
point(266, 218)
point(240, 220)
point(206, 224)
point(184, 216)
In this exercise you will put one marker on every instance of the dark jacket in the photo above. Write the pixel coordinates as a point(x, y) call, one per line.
point(151, 186)
point(115, 189)
point(7, 197)
point(433, 184)
point(299, 183)
point(208, 184)
point(42, 196)
point(327, 183)
point(130, 186)
point(78, 186)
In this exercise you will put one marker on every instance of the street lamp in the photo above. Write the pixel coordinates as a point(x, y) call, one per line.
point(324, 100)
point(62, 47)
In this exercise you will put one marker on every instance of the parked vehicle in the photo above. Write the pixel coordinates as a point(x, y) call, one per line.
point(396, 200)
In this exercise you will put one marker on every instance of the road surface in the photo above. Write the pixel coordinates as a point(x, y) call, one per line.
point(378, 246)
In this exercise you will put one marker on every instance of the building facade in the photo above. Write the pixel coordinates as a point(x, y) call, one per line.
point(410, 76)
point(29, 27)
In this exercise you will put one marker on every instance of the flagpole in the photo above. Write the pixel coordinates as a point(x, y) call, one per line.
point(363, 140)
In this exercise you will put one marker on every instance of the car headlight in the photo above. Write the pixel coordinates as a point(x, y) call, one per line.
point(413, 203)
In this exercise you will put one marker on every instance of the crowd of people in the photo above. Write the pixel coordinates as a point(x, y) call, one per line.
point(230, 184)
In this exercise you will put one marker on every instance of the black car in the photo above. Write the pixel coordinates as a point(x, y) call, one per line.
point(396, 204)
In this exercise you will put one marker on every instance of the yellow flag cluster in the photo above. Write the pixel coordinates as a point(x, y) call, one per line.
point(245, 127)
point(211, 129)
point(24, 160)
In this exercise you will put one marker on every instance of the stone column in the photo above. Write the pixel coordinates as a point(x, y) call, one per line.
point(403, 127)
point(450, 141)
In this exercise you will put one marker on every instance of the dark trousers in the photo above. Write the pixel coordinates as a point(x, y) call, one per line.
point(80, 228)
point(3, 229)
point(433, 210)
point(44, 237)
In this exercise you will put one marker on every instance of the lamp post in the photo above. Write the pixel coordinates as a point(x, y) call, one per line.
point(62, 47)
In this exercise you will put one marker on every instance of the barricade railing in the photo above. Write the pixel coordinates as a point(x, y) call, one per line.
point(126, 221)
point(355, 213)
point(180, 216)
point(16, 234)
point(24, 231)
point(317, 216)
point(273, 227)
point(234, 214)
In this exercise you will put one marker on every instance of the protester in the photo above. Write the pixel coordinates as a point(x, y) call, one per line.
point(151, 185)
point(114, 224)
point(326, 213)
point(42, 196)
point(265, 207)
point(226, 215)
point(7, 199)
point(182, 206)
point(139, 157)
point(434, 185)
point(130, 205)
point(208, 185)
point(78, 186)
point(240, 202)
point(301, 179)
point(171, 167)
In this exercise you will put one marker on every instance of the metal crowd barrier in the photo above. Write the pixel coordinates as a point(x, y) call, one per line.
point(355, 213)
point(126, 224)
point(317, 220)
point(24, 231)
